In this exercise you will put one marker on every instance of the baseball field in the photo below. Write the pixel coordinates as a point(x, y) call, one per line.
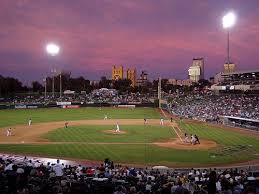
point(90, 137)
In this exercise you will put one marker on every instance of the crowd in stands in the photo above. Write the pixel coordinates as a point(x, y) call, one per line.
point(33, 177)
point(91, 98)
point(208, 107)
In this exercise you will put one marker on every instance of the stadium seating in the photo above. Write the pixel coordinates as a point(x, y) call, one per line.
point(27, 177)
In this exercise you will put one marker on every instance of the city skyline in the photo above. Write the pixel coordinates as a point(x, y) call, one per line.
point(161, 38)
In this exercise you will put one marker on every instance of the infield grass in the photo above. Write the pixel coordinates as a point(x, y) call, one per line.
point(90, 134)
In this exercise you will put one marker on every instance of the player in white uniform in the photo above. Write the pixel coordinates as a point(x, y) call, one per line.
point(161, 121)
point(105, 117)
point(117, 127)
point(193, 139)
point(8, 132)
point(186, 138)
point(145, 121)
point(29, 122)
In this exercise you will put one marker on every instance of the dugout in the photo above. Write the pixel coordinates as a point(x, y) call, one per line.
point(241, 122)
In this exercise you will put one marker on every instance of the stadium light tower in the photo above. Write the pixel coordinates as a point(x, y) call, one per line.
point(53, 50)
point(228, 21)
point(45, 86)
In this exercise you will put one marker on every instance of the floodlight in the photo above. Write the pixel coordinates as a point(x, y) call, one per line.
point(52, 49)
point(229, 20)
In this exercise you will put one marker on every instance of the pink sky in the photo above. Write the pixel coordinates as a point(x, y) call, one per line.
point(161, 37)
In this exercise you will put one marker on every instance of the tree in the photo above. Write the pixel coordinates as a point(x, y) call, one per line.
point(105, 83)
point(79, 84)
point(122, 85)
point(36, 86)
point(10, 86)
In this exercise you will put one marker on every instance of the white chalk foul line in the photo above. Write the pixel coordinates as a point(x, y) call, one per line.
point(164, 113)
point(177, 133)
point(173, 126)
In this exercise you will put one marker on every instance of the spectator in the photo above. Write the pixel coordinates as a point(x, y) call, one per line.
point(212, 183)
point(180, 189)
point(58, 169)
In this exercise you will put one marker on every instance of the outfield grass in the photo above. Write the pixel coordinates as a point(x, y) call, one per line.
point(134, 134)
point(21, 116)
point(137, 154)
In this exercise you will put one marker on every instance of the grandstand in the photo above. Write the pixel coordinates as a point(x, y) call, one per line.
point(238, 81)
point(23, 175)
point(241, 122)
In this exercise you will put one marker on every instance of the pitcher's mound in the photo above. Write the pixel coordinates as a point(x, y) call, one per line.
point(177, 144)
point(114, 132)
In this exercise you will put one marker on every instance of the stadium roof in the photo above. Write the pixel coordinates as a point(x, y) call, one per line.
point(239, 118)
point(241, 72)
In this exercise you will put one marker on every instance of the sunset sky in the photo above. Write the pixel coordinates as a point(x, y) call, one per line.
point(160, 36)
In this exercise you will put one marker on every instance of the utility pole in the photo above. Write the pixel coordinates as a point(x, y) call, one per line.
point(159, 91)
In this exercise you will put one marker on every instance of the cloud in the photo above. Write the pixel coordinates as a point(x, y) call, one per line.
point(148, 34)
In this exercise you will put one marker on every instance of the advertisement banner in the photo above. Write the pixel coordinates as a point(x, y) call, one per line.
point(70, 106)
point(32, 106)
point(126, 106)
point(20, 106)
point(63, 103)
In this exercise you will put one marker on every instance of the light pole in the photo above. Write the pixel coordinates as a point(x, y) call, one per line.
point(45, 86)
point(53, 71)
point(228, 21)
point(53, 50)
point(159, 92)
point(60, 84)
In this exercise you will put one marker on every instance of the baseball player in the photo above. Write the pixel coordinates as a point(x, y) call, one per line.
point(105, 117)
point(197, 139)
point(117, 127)
point(9, 132)
point(29, 122)
point(193, 139)
point(161, 121)
point(66, 124)
point(145, 121)
point(186, 138)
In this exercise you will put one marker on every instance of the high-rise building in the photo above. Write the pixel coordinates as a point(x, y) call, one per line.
point(117, 72)
point(176, 82)
point(143, 75)
point(132, 75)
point(229, 68)
point(143, 79)
point(196, 70)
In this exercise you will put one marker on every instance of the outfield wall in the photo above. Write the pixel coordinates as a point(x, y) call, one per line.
point(72, 105)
